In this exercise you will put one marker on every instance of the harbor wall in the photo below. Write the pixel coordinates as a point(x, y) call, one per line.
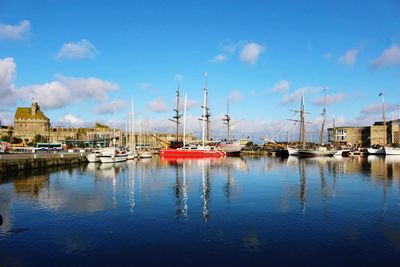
point(16, 164)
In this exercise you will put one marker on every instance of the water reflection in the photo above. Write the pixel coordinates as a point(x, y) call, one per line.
point(237, 206)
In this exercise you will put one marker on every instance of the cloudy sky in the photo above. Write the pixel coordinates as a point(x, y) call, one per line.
point(78, 59)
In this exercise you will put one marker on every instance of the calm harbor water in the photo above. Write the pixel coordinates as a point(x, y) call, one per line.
point(251, 211)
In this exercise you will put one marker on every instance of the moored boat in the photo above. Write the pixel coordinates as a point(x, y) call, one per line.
point(376, 151)
point(112, 155)
point(318, 152)
point(391, 150)
point(231, 148)
point(145, 154)
point(194, 151)
point(93, 156)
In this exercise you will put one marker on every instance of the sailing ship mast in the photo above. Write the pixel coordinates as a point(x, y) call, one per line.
point(302, 122)
point(227, 120)
point(334, 130)
point(177, 114)
point(204, 118)
point(206, 114)
point(384, 117)
point(321, 134)
point(184, 122)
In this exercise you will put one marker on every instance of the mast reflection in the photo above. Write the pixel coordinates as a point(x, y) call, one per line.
point(205, 186)
point(303, 186)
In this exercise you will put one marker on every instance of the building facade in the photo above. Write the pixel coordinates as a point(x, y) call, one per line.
point(376, 134)
point(31, 121)
point(349, 136)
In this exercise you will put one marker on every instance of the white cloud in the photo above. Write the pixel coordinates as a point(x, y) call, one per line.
point(6, 118)
point(330, 99)
point(229, 47)
point(72, 120)
point(349, 58)
point(15, 32)
point(190, 104)
point(281, 86)
point(7, 88)
point(219, 58)
point(67, 90)
point(235, 96)
point(108, 107)
point(376, 108)
point(157, 105)
point(250, 53)
point(295, 96)
point(389, 57)
point(77, 50)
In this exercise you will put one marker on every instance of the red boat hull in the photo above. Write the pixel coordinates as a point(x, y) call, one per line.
point(192, 153)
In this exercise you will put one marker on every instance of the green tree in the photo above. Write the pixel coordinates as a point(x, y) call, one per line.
point(39, 139)
point(5, 138)
point(15, 140)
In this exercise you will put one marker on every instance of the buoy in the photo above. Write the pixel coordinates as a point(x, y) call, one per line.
point(1, 220)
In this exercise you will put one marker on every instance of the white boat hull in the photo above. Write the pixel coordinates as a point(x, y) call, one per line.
point(318, 152)
point(293, 151)
point(392, 151)
point(231, 148)
point(145, 154)
point(92, 157)
point(132, 155)
point(376, 151)
point(112, 158)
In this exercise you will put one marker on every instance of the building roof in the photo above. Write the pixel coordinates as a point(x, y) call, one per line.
point(354, 127)
point(26, 113)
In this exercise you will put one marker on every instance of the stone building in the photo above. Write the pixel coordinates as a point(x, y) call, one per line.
point(349, 135)
point(376, 134)
point(31, 121)
point(394, 130)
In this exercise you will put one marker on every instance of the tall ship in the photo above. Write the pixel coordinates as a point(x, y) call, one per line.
point(231, 147)
point(198, 151)
point(319, 150)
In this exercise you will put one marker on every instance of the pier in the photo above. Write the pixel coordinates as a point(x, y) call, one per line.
point(20, 162)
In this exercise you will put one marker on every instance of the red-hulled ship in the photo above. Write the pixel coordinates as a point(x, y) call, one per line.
point(193, 152)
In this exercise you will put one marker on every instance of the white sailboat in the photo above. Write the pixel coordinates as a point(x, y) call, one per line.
point(231, 147)
point(379, 150)
point(112, 154)
point(131, 152)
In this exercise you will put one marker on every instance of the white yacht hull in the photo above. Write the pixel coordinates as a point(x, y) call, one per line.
point(231, 148)
point(112, 158)
point(145, 154)
point(293, 151)
point(92, 157)
point(392, 151)
point(376, 151)
point(132, 155)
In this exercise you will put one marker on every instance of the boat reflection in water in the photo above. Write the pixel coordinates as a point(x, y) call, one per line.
point(248, 211)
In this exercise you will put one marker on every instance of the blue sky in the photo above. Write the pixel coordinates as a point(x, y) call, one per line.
point(77, 58)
